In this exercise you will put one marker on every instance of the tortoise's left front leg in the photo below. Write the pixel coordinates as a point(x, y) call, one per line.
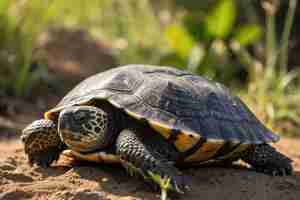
point(266, 159)
point(147, 153)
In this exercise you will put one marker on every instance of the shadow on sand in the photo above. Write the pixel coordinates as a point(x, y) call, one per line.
point(214, 182)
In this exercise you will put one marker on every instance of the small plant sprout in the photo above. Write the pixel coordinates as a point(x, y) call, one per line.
point(164, 184)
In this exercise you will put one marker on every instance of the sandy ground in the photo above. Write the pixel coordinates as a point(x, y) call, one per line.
point(87, 181)
point(69, 180)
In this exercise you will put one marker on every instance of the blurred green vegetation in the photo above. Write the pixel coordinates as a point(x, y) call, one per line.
point(130, 26)
point(234, 42)
point(211, 31)
point(18, 30)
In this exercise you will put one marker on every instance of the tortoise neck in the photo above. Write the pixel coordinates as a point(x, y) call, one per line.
point(121, 120)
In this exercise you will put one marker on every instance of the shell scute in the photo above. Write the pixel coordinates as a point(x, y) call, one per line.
point(172, 99)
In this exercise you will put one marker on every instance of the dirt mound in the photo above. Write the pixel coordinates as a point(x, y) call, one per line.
point(69, 180)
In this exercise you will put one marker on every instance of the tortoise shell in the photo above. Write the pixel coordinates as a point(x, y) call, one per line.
point(200, 117)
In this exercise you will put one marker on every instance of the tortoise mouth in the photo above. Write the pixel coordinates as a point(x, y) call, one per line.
point(80, 142)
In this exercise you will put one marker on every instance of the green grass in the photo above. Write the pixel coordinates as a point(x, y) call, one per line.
point(20, 23)
point(273, 92)
point(275, 98)
point(129, 26)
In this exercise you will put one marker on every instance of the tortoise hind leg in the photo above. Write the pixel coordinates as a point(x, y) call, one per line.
point(264, 158)
point(148, 154)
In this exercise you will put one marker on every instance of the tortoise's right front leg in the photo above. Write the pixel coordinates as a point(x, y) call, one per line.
point(41, 142)
point(146, 153)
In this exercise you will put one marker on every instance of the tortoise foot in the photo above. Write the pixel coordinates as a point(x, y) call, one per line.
point(265, 159)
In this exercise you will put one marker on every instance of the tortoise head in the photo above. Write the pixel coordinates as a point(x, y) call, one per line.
point(84, 128)
point(41, 142)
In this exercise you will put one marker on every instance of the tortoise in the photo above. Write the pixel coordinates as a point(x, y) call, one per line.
point(152, 120)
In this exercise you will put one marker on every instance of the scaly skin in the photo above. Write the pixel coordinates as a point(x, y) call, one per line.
point(81, 128)
point(146, 153)
point(86, 129)
point(42, 143)
point(265, 159)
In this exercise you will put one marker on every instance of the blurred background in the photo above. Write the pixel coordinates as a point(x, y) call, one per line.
point(251, 46)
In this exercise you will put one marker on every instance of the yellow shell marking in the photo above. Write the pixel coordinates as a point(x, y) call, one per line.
point(185, 141)
point(134, 115)
point(53, 113)
point(50, 115)
point(206, 151)
point(164, 130)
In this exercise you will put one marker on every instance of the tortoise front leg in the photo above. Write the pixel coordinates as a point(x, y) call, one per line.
point(145, 152)
point(41, 142)
point(264, 158)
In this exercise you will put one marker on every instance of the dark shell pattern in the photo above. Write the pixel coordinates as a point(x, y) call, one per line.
point(174, 102)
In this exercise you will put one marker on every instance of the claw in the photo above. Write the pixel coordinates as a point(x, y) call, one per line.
point(164, 194)
point(187, 188)
point(175, 187)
